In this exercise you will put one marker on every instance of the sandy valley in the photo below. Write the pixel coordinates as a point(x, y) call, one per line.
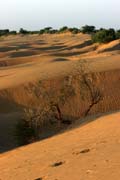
point(36, 68)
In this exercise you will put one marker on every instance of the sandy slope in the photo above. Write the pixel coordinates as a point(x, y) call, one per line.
point(90, 151)
point(26, 60)
point(87, 152)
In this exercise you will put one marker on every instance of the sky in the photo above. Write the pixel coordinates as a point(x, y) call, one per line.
point(36, 14)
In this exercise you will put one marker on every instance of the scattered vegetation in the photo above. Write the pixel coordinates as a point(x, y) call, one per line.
point(88, 86)
point(49, 113)
point(6, 32)
point(74, 30)
point(25, 132)
point(118, 34)
point(105, 36)
point(98, 35)
point(63, 29)
point(88, 29)
point(23, 31)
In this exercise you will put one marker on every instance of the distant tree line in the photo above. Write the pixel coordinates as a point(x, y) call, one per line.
point(5, 32)
point(98, 35)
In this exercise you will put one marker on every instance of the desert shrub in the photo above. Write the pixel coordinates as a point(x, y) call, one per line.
point(74, 30)
point(4, 32)
point(104, 36)
point(88, 29)
point(53, 31)
point(34, 32)
point(24, 132)
point(23, 31)
point(118, 34)
point(47, 115)
point(63, 29)
point(88, 86)
point(12, 32)
point(29, 128)
point(42, 31)
point(47, 30)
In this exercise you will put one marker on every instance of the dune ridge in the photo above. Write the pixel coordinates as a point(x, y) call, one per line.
point(28, 61)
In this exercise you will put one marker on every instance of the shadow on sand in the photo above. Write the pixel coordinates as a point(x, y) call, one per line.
point(59, 60)
point(51, 131)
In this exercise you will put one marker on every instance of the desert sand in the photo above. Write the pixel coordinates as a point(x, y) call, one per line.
point(90, 151)
point(89, 148)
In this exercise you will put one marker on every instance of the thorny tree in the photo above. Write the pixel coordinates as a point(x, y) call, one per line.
point(88, 80)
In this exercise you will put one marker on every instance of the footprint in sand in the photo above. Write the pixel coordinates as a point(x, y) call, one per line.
point(56, 164)
point(82, 152)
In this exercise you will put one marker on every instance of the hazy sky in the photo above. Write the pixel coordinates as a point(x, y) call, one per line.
point(36, 14)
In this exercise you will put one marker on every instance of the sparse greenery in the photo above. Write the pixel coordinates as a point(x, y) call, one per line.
point(63, 29)
point(88, 29)
point(118, 34)
point(23, 31)
point(104, 36)
point(74, 30)
point(4, 32)
point(47, 114)
point(88, 86)
point(42, 31)
point(98, 35)
point(24, 132)
point(13, 32)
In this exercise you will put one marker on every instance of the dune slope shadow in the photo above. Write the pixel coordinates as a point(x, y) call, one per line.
point(60, 60)
point(6, 49)
point(23, 46)
point(14, 47)
point(84, 44)
point(50, 48)
point(22, 54)
point(40, 42)
point(114, 48)
point(68, 54)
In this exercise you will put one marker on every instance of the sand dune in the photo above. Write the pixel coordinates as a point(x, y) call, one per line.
point(90, 151)
point(112, 46)
point(28, 57)
point(32, 66)
point(26, 61)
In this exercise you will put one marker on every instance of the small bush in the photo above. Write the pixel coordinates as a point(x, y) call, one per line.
point(104, 36)
point(23, 31)
point(118, 34)
point(88, 29)
point(47, 30)
point(63, 29)
point(53, 31)
point(4, 32)
point(12, 32)
point(42, 31)
point(24, 132)
point(74, 30)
